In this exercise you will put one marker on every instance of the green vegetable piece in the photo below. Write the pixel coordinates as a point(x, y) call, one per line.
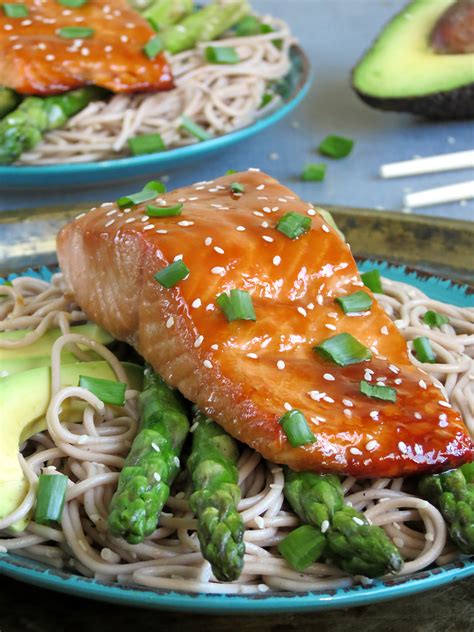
point(343, 349)
point(293, 225)
point(164, 211)
point(9, 99)
point(314, 172)
point(106, 390)
point(248, 26)
point(75, 32)
point(372, 280)
point(454, 496)
point(336, 146)
point(230, 172)
point(216, 494)
point(15, 10)
point(468, 471)
point(302, 547)
point(221, 55)
point(149, 191)
point(315, 498)
point(237, 305)
point(73, 4)
point(50, 498)
point(172, 274)
point(378, 392)
point(423, 349)
point(163, 13)
point(153, 462)
point(355, 303)
point(296, 428)
point(146, 144)
point(435, 319)
point(194, 129)
point(153, 47)
point(237, 187)
point(266, 99)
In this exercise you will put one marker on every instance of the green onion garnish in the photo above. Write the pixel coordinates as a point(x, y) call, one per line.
point(149, 191)
point(435, 319)
point(302, 547)
point(222, 55)
point(153, 47)
point(424, 351)
point(172, 274)
point(8, 283)
point(336, 146)
point(314, 172)
point(164, 211)
point(146, 144)
point(293, 225)
point(249, 25)
point(266, 99)
point(107, 391)
point(75, 32)
point(296, 428)
point(194, 129)
point(237, 187)
point(378, 391)
point(372, 280)
point(343, 349)
point(74, 4)
point(355, 303)
point(230, 172)
point(237, 305)
point(13, 10)
point(50, 497)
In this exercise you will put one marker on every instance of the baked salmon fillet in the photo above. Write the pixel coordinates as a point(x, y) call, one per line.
point(54, 48)
point(245, 374)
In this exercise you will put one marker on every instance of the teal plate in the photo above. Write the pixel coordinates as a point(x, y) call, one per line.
point(292, 89)
point(262, 603)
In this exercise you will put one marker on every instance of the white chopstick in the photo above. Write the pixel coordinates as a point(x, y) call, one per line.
point(444, 162)
point(450, 193)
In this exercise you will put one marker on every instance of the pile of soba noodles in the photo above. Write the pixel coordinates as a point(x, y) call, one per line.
point(92, 450)
point(219, 97)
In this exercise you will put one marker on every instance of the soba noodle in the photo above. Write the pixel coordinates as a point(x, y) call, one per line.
point(91, 452)
point(219, 97)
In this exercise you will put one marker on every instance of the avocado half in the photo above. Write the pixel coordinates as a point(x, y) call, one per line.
point(402, 72)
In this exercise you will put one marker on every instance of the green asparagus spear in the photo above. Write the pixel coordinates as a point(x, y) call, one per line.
point(204, 25)
point(163, 13)
point(213, 468)
point(352, 544)
point(24, 127)
point(9, 99)
point(153, 461)
point(453, 493)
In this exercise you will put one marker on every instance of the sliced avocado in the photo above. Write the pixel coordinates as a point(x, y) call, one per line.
point(39, 353)
point(404, 72)
point(24, 399)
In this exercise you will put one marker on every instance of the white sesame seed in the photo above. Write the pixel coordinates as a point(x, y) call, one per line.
point(287, 406)
point(182, 200)
point(311, 211)
point(215, 347)
point(347, 412)
point(418, 416)
point(80, 215)
point(84, 52)
point(196, 303)
point(193, 198)
point(316, 395)
point(310, 306)
point(264, 224)
point(348, 403)
point(207, 364)
point(282, 200)
point(444, 404)
point(355, 451)
point(145, 218)
point(148, 227)
point(302, 311)
point(185, 223)
point(371, 445)
point(265, 343)
point(198, 342)
point(254, 356)
point(178, 258)
point(319, 299)
point(258, 214)
point(276, 260)
point(331, 327)
point(162, 231)
point(402, 447)
point(8, 27)
point(368, 375)
point(109, 223)
point(325, 526)
point(325, 228)
point(219, 250)
point(240, 228)
point(155, 447)
point(422, 384)
point(157, 477)
point(328, 399)
point(358, 521)
point(384, 330)
point(280, 365)
point(443, 420)
point(267, 238)
point(208, 241)
point(170, 322)
point(398, 381)
point(394, 369)
point(218, 270)
point(260, 186)
point(50, 57)
point(374, 414)
point(210, 307)
point(329, 377)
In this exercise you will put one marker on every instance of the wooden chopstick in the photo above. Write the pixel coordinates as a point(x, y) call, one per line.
point(432, 164)
point(450, 193)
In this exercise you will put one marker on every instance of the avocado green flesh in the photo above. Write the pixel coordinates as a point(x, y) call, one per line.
point(24, 399)
point(401, 64)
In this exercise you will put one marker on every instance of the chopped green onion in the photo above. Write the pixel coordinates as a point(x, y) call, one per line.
point(164, 211)
point(343, 349)
point(222, 55)
point(423, 349)
point(149, 191)
point(435, 319)
point(237, 187)
point(230, 172)
point(266, 99)
point(50, 498)
point(237, 305)
point(8, 283)
point(153, 47)
point(194, 129)
point(75, 32)
point(336, 146)
point(314, 172)
point(372, 280)
point(107, 391)
point(249, 25)
point(302, 547)
point(146, 144)
point(15, 10)
point(296, 428)
point(172, 274)
point(293, 225)
point(355, 303)
point(378, 391)
point(74, 4)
